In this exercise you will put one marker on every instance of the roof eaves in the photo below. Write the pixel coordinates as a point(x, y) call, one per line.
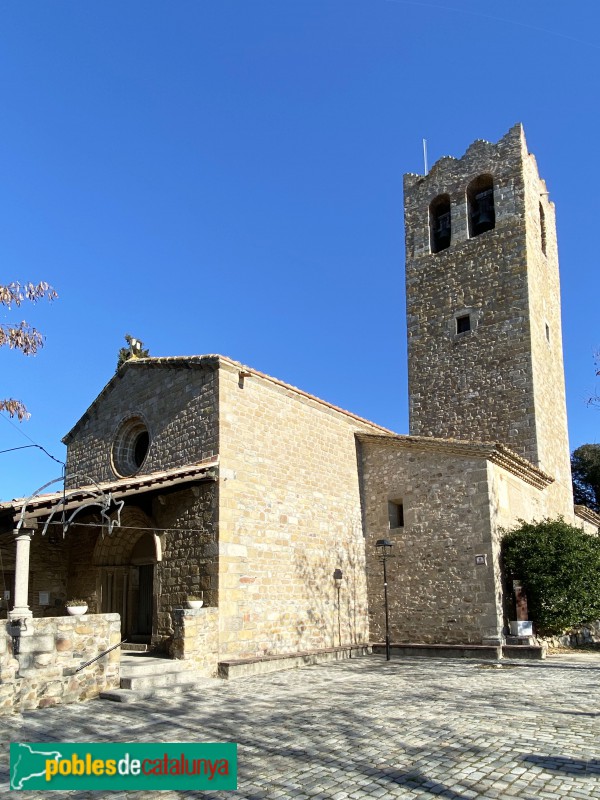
point(186, 362)
point(123, 487)
point(211, 361)
point(492, 451)
point(583, 512)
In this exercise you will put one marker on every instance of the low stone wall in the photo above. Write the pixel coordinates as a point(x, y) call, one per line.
point(196, 638)
point(50, 650)
point(585, 634)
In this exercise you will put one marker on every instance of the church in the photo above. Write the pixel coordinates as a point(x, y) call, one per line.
point(200, 476)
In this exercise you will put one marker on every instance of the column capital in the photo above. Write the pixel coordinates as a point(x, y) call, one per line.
point(23, 532)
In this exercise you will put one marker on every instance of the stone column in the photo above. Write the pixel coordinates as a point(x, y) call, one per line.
point(21, 607)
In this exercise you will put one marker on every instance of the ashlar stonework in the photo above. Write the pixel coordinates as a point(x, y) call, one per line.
point(226, 483)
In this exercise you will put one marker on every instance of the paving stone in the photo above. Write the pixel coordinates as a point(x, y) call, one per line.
point(413, 729)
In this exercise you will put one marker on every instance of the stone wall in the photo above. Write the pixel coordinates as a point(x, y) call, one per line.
point(177, 402)
point(289, 516)
point(588, 634)
point(437, 592)
point(196, 638)
point(478, 385)
point(554, 455)
point(190, 554)
point(51, 648)
point(503, 380)
point(82, 579)
point(48, 573)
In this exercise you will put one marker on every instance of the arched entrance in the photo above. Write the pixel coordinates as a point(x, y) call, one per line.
point(126, 582)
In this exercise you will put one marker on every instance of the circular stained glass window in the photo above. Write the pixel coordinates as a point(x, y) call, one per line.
point(130, 447)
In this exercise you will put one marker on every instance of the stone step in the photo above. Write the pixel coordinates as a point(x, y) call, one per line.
point(125, 695)
point(201, 682)
point(135, 665)
point(531, 652)
point(149, 682)
point(135, 696)
point(133, 647)
point(260, 665)
point(139, 638)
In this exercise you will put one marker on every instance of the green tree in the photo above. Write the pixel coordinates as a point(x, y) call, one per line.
point(21, 335)
point(559, 567)
point(585, 469)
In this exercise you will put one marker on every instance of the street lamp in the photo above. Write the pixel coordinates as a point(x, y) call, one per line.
point(384, 549)
point(338, 577)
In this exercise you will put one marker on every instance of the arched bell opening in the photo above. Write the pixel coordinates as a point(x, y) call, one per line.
point(440, 223)
point(480, 201)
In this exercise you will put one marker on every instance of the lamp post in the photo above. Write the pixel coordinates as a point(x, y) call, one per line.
point(384, 549)
point(337, 579)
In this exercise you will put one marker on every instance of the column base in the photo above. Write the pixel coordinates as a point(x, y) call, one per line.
point(20, 613)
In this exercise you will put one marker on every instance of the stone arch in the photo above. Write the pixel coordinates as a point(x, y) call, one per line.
point(116, 549)
point(127, 581)
point(480, 201)
point(440, 223)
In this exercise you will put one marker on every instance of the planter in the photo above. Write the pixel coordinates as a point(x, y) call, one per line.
point(521, 628)
point(76, 611)
point(194, 603)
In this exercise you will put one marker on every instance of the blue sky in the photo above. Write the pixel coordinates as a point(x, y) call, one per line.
point(226, 177)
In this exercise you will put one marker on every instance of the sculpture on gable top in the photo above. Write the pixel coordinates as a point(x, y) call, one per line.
point(134, 350)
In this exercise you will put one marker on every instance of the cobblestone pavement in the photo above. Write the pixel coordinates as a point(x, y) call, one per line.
point(411, 728)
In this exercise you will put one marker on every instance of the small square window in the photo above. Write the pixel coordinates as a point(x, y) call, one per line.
point(463, 323)
point(396, 515)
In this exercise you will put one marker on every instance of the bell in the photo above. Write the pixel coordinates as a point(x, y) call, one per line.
point(443, 228)
point(484, 216)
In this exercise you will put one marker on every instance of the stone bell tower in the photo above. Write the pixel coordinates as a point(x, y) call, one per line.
point(483, 306)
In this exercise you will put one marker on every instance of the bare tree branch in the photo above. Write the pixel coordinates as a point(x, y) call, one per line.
point(14, 293)
point(21, 336)
point(15, 408)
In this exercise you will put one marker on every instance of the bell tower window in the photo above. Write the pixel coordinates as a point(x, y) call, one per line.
point(463, 323)
point(480, 200)
point(440, 223)
point(543, 229)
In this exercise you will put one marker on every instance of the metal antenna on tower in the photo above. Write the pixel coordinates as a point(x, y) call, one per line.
point(425, 155)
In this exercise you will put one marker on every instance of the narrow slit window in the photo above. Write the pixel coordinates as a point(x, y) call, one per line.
point(547, 332)
point(463, 323)
point(543, 229)
point(440, 223)
point(396, 514)
point(480, 199)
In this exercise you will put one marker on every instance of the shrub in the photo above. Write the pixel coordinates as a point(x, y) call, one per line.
point(559, 567)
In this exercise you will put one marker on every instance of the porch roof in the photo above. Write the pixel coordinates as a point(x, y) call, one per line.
point(41, 505)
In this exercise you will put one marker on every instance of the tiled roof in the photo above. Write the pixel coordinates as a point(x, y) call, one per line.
point(119, 488)
point(210, 361)
point(492, 451)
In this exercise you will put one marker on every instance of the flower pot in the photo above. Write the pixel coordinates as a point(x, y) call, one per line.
point(76, 611)
point(194, 603)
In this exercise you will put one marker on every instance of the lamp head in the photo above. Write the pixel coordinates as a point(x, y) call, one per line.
point(384, 547)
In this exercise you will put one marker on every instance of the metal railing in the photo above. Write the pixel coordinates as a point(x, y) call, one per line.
point(91, 661)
